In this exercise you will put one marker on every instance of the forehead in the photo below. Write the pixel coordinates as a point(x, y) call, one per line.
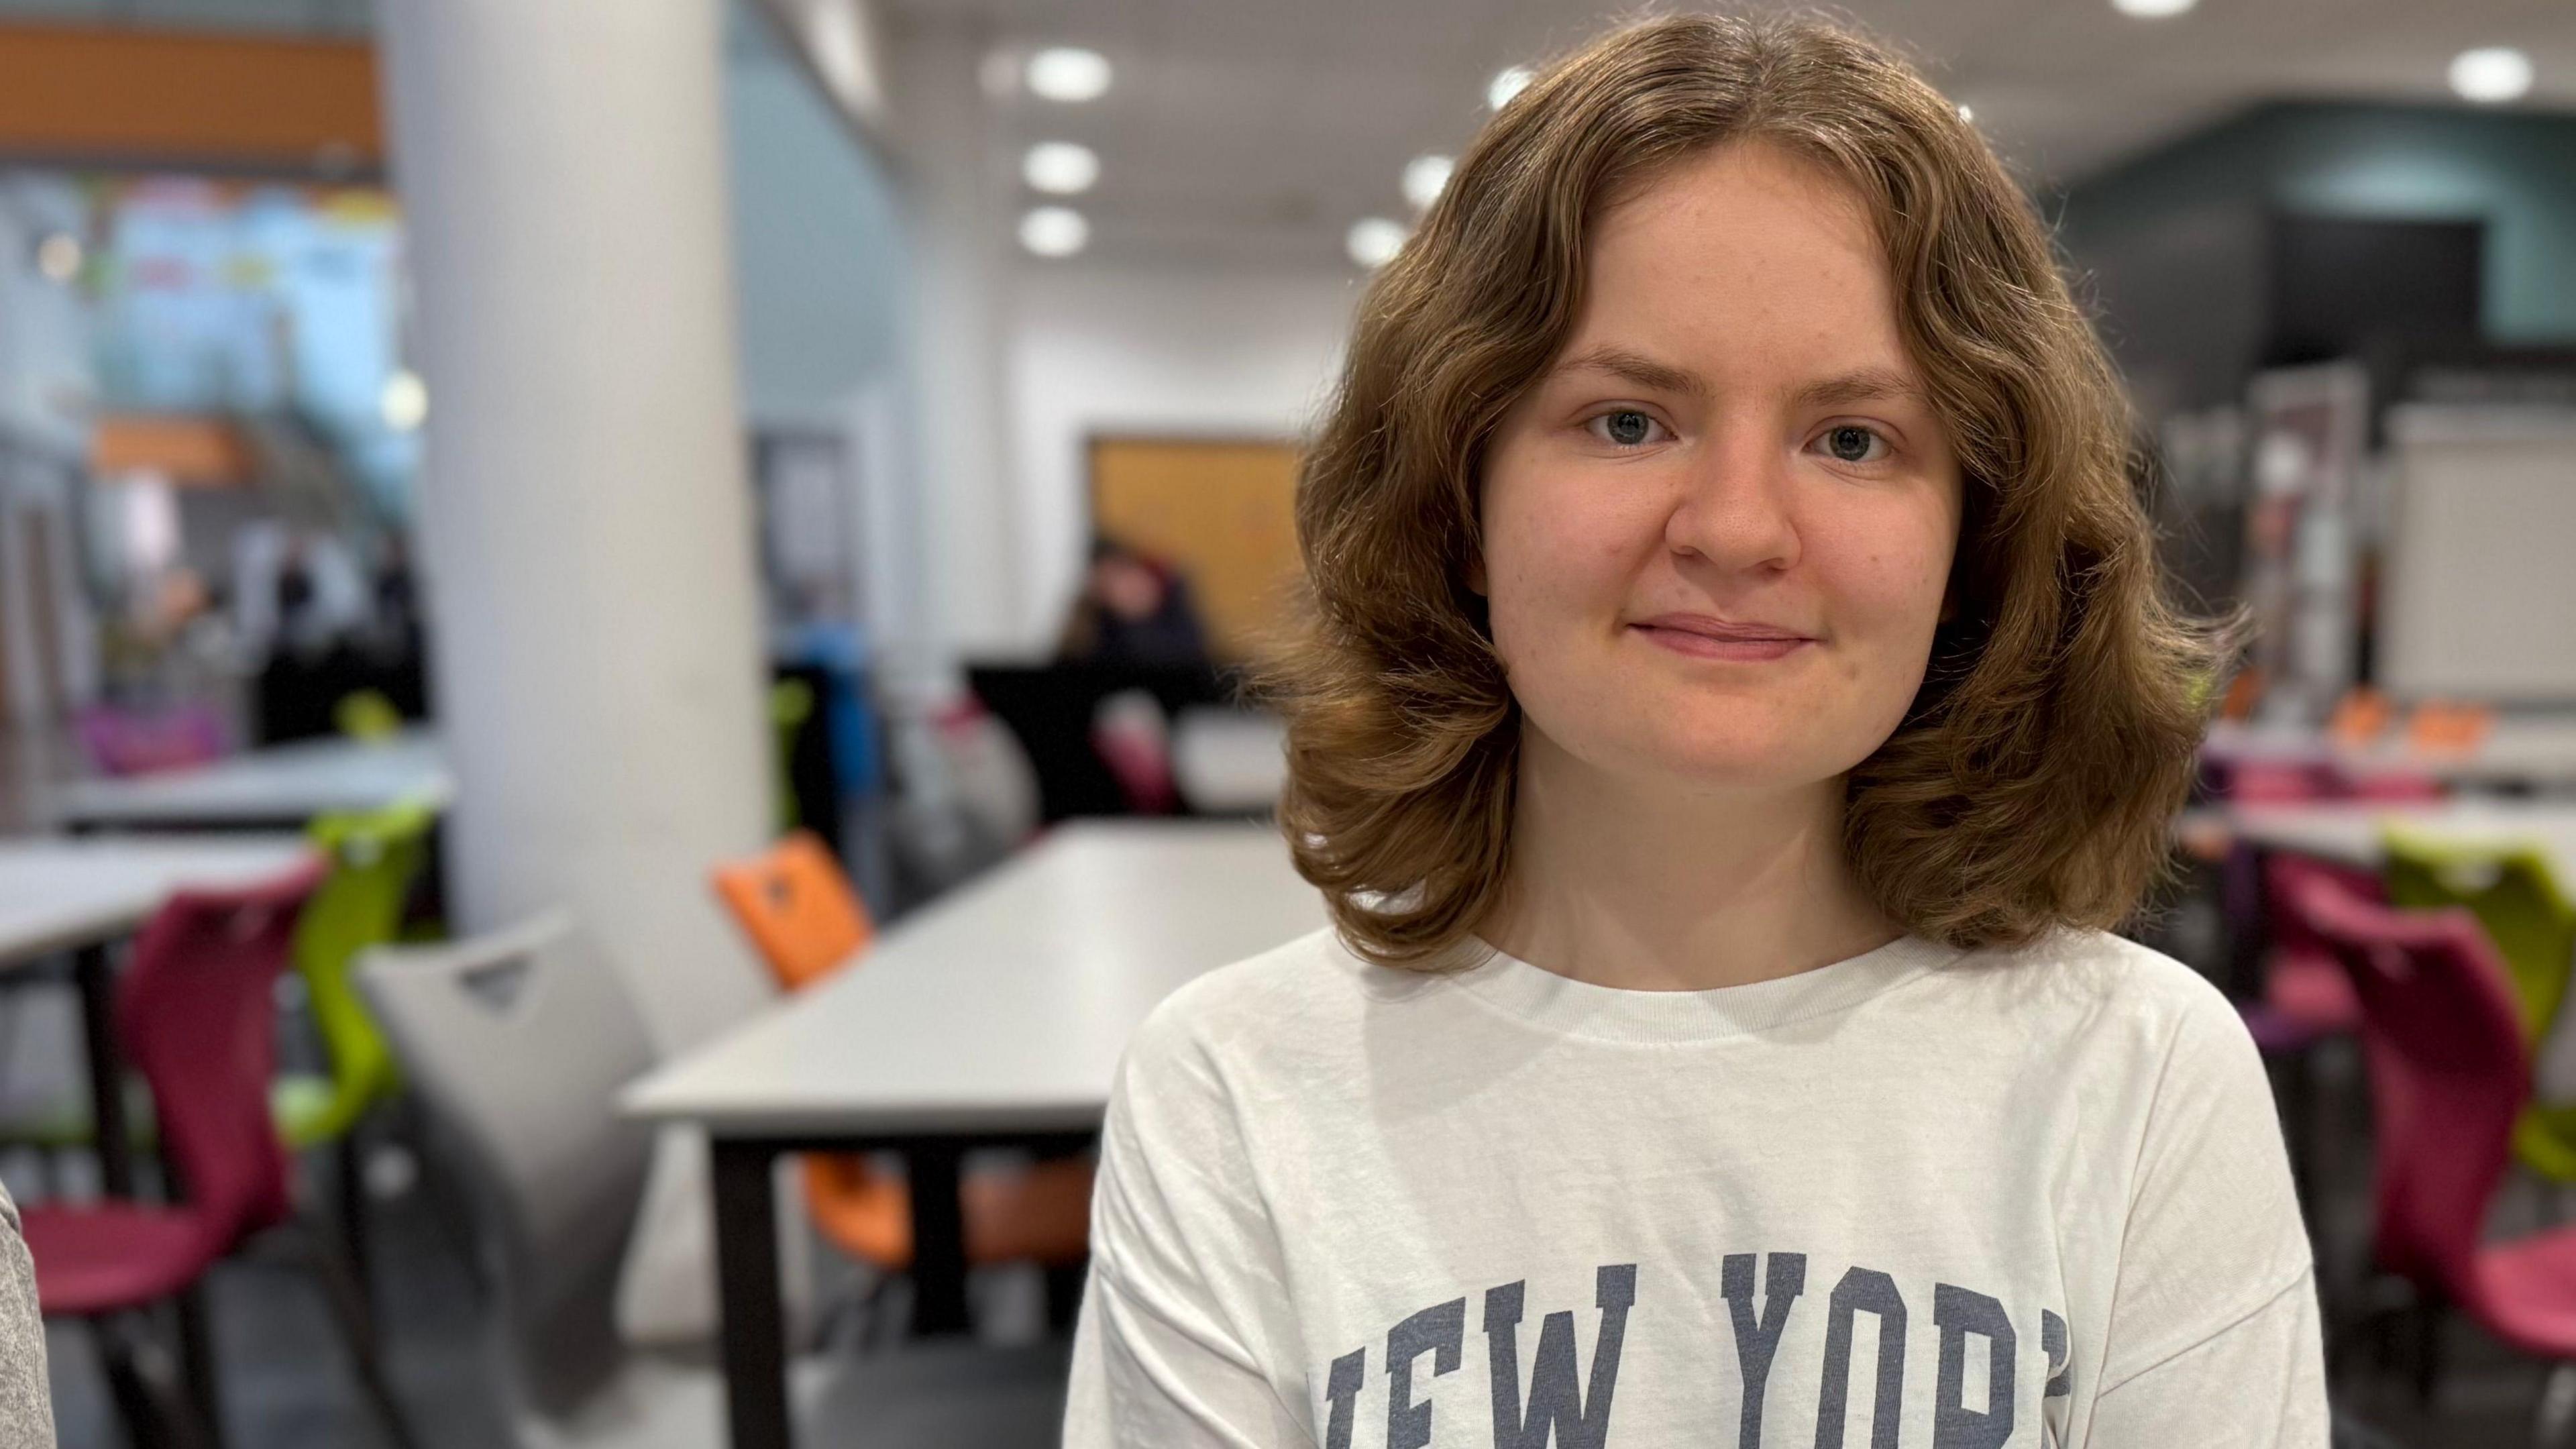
point(1744, 244)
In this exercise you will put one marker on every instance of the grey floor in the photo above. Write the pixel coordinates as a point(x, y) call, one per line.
point(285, 1378)
point(286, 1383)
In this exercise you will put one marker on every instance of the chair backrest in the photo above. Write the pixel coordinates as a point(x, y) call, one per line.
point(791, 706)
point(2393, 785)
point(2515, 894)
point(197, 1016)
point(127, 742)
point(1133, 737)
point(375, 857)
point(2270, 782)
point(2448, 1073)
point(2284, 874)
point(798, 908)
point(518, 1043)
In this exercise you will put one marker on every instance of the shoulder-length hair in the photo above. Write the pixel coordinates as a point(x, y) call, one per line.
point(2031, 782)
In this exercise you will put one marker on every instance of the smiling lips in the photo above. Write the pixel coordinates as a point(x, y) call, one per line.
point(1705, 636)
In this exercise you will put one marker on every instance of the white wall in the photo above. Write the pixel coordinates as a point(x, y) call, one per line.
point(2479, 596)
point(1096, 348)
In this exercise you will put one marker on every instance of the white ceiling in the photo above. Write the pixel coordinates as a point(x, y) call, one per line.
point(1256, 129)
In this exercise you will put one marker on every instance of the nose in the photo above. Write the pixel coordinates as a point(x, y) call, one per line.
point(1733, 507)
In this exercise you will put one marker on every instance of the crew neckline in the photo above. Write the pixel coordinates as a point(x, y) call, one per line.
point(1613, 1013)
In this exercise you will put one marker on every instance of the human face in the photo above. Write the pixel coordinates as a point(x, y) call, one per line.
point(1717, 530)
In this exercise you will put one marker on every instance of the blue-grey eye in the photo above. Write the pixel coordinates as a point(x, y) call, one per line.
point(1851, 443)
point(1628, 428)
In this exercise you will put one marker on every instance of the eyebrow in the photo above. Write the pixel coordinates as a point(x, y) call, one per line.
point(1867, 384)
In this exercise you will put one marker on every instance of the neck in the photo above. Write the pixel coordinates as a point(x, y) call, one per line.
point(1649, 886)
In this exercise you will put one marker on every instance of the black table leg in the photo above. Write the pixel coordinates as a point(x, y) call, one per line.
point(106, 1073)
point(755, 1358)
point(932, 1171)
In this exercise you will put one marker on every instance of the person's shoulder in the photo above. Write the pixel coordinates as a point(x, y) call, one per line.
point(1309, 988)
point(2106, 963)
point(1277, 1028)
point(2107, 982)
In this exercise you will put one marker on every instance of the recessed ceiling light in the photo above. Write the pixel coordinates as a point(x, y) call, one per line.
point(1425, 177)
point(2491, 75)
point(2152, 9)
point(1967, 116)
point(1374, 241)
point(1054, 231)
point(1069, 73)
point(1060, 168)
point(1507, 83)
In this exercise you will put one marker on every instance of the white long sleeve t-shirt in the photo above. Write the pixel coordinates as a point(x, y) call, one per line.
point(1919, 1199)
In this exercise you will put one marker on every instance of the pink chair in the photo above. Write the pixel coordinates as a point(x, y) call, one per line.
point(1133, 739)
point(2305, 997)
point(2264, 782)
point(2442, 1039)
point(125, 742)
point(2389, 785)
point(196, 1015)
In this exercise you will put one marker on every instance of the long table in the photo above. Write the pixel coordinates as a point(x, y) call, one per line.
point(280, 787)
point(81, 896)
point(995, 1017)
point(2351, 832)
point(2531, 752)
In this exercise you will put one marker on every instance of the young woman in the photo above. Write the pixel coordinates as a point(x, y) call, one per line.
point(1737, 703)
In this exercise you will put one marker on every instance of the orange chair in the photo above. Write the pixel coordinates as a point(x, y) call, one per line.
point(2361, 716)
point(2441, 726)
point(800, 913)
point(798, 909)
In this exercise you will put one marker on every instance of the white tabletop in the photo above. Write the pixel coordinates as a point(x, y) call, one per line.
point(279, 784)
point(56, 894)
point(1229, 759)
point(1003, 1007)
point(2349, 831)
point(2524, 749)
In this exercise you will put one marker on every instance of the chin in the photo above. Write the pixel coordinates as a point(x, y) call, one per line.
point(1735, 762)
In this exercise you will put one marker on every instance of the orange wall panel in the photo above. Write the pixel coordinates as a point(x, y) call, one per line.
point(115, 95)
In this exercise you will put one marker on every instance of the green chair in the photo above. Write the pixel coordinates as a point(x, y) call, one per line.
point(791, 705)
point(375, 858)
point(2518, 898)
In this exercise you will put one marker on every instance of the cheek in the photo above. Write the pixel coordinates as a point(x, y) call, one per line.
point(1888, 582)
point(1553, 565)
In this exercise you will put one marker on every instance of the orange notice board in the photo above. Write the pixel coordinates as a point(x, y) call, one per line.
point(114, 95)
point(1223, 511)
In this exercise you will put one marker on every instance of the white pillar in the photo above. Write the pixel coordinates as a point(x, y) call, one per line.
point(961, 218)
point(585, 516)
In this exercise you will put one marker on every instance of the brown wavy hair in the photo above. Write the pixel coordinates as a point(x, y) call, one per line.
point(2032, 780)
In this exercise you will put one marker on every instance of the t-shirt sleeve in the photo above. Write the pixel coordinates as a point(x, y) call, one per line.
point(2257, 1382)
point(1186, 1313)
point(2213, 1323)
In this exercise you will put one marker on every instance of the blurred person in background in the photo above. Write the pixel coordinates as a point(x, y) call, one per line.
point(1741, 700)
point(1134, 609)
